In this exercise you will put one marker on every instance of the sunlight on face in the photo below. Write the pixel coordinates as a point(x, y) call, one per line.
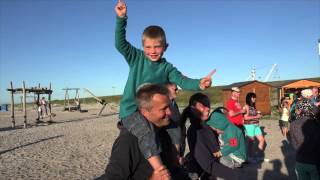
point(153, 49)
point(160, 112)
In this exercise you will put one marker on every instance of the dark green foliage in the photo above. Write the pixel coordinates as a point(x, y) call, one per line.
point(214, 93)
point(108, 99)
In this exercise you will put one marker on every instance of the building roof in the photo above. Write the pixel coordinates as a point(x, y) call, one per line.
point(276, 84)
point(280, 84)
point(240, 84)
point(302, 84)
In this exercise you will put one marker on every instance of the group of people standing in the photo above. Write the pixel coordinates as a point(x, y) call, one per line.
point(217, 145)
point(300, 123)
point(247, 119)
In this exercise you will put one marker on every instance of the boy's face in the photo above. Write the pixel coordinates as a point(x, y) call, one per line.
point(153, 48)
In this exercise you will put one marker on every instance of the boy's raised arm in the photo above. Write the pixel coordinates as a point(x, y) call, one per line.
point(121, 8)
point(122, 45)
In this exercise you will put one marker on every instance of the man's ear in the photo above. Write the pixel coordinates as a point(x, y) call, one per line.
point(144, 112)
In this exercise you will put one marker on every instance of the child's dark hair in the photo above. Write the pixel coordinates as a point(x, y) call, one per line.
point(154, 32)
point(188, 113)
point(249, 97)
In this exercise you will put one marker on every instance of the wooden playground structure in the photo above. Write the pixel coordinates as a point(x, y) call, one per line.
point(71, 106)
point(75, 105)
point(101, 101)
point(37, 91)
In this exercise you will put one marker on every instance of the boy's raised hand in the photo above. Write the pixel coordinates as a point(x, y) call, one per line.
point(207, 81)
point(121, 8)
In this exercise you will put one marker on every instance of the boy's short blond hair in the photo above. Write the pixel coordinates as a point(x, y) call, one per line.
point(154, 32)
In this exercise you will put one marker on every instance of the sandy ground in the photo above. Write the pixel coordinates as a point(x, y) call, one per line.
point(77, 146)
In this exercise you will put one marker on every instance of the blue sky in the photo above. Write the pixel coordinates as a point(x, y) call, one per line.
point(70, 43)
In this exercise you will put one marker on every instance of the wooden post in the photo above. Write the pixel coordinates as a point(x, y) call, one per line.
point(24, 105)
point(38, 106)
point(65, 99)
point(77, 100)
point(68, 102)
point(21, 102)
point(103, 106)
point(49, 103)
point(282, 93)
point(12, 107)
point(34, 102)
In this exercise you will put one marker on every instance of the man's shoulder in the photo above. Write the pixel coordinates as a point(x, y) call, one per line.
point(125, 137)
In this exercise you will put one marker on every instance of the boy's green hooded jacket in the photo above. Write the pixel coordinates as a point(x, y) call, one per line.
point(232, 136)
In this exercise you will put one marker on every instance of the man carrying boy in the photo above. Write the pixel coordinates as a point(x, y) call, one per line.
point(147, 66)
point(126, 160)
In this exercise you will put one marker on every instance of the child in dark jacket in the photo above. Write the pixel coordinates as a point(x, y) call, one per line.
point(232, 143)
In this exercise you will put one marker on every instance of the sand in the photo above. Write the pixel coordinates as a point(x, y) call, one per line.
point(77, 146)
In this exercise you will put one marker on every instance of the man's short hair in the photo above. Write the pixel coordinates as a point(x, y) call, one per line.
point(154, 32)
point(146, 92)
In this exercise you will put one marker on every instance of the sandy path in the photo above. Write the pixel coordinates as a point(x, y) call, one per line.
point(279, 157)
point(78, 145)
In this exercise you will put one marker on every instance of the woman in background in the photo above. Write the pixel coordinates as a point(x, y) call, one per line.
point(251, 125)
point(284, 120)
